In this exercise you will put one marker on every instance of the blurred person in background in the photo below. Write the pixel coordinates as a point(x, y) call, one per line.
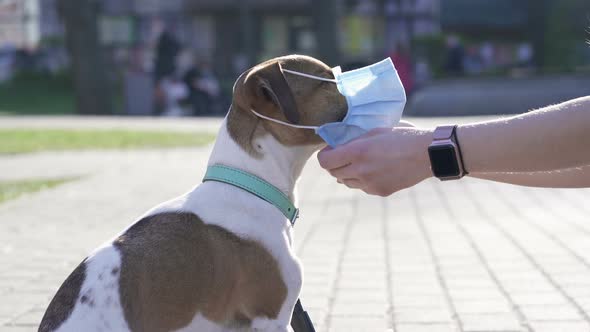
point(455, 56)
point(524, 54)
point(423, 72)
point(203, 88)
point(473, 64)
point(403, 64)
point(543, 148)
point(7, 62)
point(486, 54)
point(167, 50)
point(27, 59)
point(174, 91)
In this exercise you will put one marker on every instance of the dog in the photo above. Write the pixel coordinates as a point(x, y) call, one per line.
point(217, 258)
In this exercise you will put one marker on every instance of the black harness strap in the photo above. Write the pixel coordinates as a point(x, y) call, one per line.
point(300, 322)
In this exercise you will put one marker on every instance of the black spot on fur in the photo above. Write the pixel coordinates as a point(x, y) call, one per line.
point(115, 271)
point(63, 302)
point(86, 298)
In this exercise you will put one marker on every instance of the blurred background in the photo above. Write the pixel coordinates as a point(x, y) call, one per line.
point(109, 107)
point(181, 57)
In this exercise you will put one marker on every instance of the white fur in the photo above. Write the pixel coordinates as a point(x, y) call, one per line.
point(218, 204)
point(101, 310)
point(249, 216)
point(201, 324)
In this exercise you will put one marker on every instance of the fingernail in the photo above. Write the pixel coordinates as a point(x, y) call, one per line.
point(327, 148)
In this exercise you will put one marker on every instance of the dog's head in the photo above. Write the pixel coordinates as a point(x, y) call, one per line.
point(270, 91)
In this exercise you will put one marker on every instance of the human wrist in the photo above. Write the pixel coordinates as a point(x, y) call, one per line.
point(467, 154)
point(423, 140)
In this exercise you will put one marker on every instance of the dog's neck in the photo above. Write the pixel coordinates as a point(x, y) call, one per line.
point(278, 164)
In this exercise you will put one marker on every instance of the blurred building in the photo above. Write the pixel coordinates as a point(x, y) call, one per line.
point(506, 18)
point(19, 23)
point(228, 31)
point(232, 35)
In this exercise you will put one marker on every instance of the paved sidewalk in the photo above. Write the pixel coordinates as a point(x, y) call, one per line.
point(460, 256)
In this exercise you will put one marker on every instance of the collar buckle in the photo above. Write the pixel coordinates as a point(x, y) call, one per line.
point(295, 217)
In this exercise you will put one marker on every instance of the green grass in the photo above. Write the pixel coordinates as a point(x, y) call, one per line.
point(13, 189)
point(37, 94)
point(33, 140)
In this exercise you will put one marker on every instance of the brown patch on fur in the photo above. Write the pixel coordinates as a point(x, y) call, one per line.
point(64, 301)
point(271, 92)
point(175, 266)
point(243, 127)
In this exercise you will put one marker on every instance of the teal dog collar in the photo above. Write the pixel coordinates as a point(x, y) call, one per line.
point(254, 185)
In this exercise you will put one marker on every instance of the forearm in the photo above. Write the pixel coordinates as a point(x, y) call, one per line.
point(566, 178)
point(556, 137)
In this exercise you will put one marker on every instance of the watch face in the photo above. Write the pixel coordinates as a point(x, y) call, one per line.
point(443, 160)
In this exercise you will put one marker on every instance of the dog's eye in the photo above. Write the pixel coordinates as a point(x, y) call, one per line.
point(267, 94)
point(328, 74)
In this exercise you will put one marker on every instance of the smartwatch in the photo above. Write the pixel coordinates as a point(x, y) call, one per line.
point(446, 160)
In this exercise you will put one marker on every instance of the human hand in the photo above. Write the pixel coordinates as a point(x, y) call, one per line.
point(382, 161)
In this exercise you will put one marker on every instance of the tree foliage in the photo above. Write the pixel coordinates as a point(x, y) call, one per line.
point(566, 34)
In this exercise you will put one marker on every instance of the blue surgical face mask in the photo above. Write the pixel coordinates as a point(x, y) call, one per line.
point(375, 98)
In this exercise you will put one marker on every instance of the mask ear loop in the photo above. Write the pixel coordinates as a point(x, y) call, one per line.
point(290, 124)
point(310, 76)
point(282, 122)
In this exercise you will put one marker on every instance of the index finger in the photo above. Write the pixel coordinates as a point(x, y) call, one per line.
point(331, 158)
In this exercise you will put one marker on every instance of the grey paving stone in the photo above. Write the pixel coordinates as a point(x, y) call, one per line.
point(30, 319)
point(560, 326)
point(18, 328)
point(434, 327)
point(460, 256)
point(483, 306)
point(422, 315)
point(550, 313)
point(499, 322)
point(360, 324)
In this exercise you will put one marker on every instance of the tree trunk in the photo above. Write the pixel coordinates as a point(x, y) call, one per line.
point(326, 17)
point(247, 45)
point(538, 11)
point(90, 75)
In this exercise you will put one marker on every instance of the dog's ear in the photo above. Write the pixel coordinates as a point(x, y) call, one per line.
point(268, 85)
